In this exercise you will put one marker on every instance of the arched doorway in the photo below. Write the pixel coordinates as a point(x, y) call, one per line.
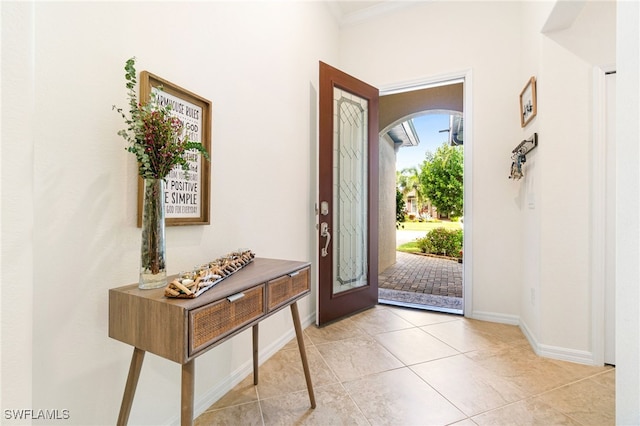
point(426, 282)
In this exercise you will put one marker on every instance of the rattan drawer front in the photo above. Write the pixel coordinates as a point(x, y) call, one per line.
point(287, 287)
point(212, 322)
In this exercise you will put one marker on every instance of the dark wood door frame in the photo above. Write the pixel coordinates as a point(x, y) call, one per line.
point(334, 306)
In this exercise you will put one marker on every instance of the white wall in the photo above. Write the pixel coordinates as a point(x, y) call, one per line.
point(556, 199)
point(531, 237)
point(18, 126)
point(529, 187)
point(387, 207)
point(431, 39)
point(69, 188)
point(627, 220)
point(564, 199)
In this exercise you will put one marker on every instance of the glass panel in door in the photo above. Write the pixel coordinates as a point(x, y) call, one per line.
point(350, 173)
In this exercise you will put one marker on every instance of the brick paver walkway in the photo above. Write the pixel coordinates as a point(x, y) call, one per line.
point(423, 274)
point(423, 280)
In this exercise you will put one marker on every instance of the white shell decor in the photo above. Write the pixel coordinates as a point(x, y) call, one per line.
point(192, 284)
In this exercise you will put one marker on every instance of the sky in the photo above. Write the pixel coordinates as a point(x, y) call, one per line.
point(428, 128)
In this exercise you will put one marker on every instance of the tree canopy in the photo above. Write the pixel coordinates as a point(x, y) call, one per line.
point(442, 179)
point(408, 180)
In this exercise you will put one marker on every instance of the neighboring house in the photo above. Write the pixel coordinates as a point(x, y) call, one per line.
point(411, 205)
point(413, 210)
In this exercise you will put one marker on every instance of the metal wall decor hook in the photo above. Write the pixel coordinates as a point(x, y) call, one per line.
point(519, 156)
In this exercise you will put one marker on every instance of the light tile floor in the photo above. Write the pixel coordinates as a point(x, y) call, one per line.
point(396, 366)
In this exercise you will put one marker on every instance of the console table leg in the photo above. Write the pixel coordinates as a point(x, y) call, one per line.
point(130, 387)
point(188, 382)
point(303, 352)
point(255, 354)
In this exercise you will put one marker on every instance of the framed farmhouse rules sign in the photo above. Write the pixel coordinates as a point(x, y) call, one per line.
point(186, 198)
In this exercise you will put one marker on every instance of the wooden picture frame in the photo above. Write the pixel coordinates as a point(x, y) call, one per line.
point(186, 200)
point(528, 102)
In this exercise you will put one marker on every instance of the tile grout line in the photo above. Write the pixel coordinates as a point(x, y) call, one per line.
point(405, 365)
point(372, 335)
point(573, 383)
point(341, 383)
point(260, 405)
point(464, 353)
point(354, 403)
point(538, 395)
point(467, 417)
point(531, 397)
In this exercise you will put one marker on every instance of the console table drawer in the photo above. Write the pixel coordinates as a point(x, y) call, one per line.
point(210, 323)
point(287, 287)
point(181, 330)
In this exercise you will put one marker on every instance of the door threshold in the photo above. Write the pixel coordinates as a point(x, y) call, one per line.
point(416, 300)
point(420, 306)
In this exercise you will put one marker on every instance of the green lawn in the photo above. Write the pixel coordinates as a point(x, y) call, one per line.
point(410, 247)
point(428, 226)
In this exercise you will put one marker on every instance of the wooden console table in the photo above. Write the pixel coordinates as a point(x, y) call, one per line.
point(183, 329)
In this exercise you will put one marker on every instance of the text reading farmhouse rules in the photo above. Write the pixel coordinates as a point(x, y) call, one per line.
point(182, 196)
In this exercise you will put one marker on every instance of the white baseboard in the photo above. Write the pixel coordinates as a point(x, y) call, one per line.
point(556, 352)
point(208, 398)
point(529, 335)
point(564, 354)
point(494, 317)
point(547, 351)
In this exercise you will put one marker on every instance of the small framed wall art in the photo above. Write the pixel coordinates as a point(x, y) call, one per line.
point(528, 107)
point(186, 197)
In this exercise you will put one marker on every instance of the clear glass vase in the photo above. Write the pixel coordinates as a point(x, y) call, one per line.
point(153, 270)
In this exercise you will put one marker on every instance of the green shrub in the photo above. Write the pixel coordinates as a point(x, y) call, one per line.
point(400, 204)
point(447, 242)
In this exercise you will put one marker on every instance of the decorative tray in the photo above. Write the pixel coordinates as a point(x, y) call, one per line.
point(192, 284)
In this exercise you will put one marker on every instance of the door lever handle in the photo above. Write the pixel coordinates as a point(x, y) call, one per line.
point(324, 232)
